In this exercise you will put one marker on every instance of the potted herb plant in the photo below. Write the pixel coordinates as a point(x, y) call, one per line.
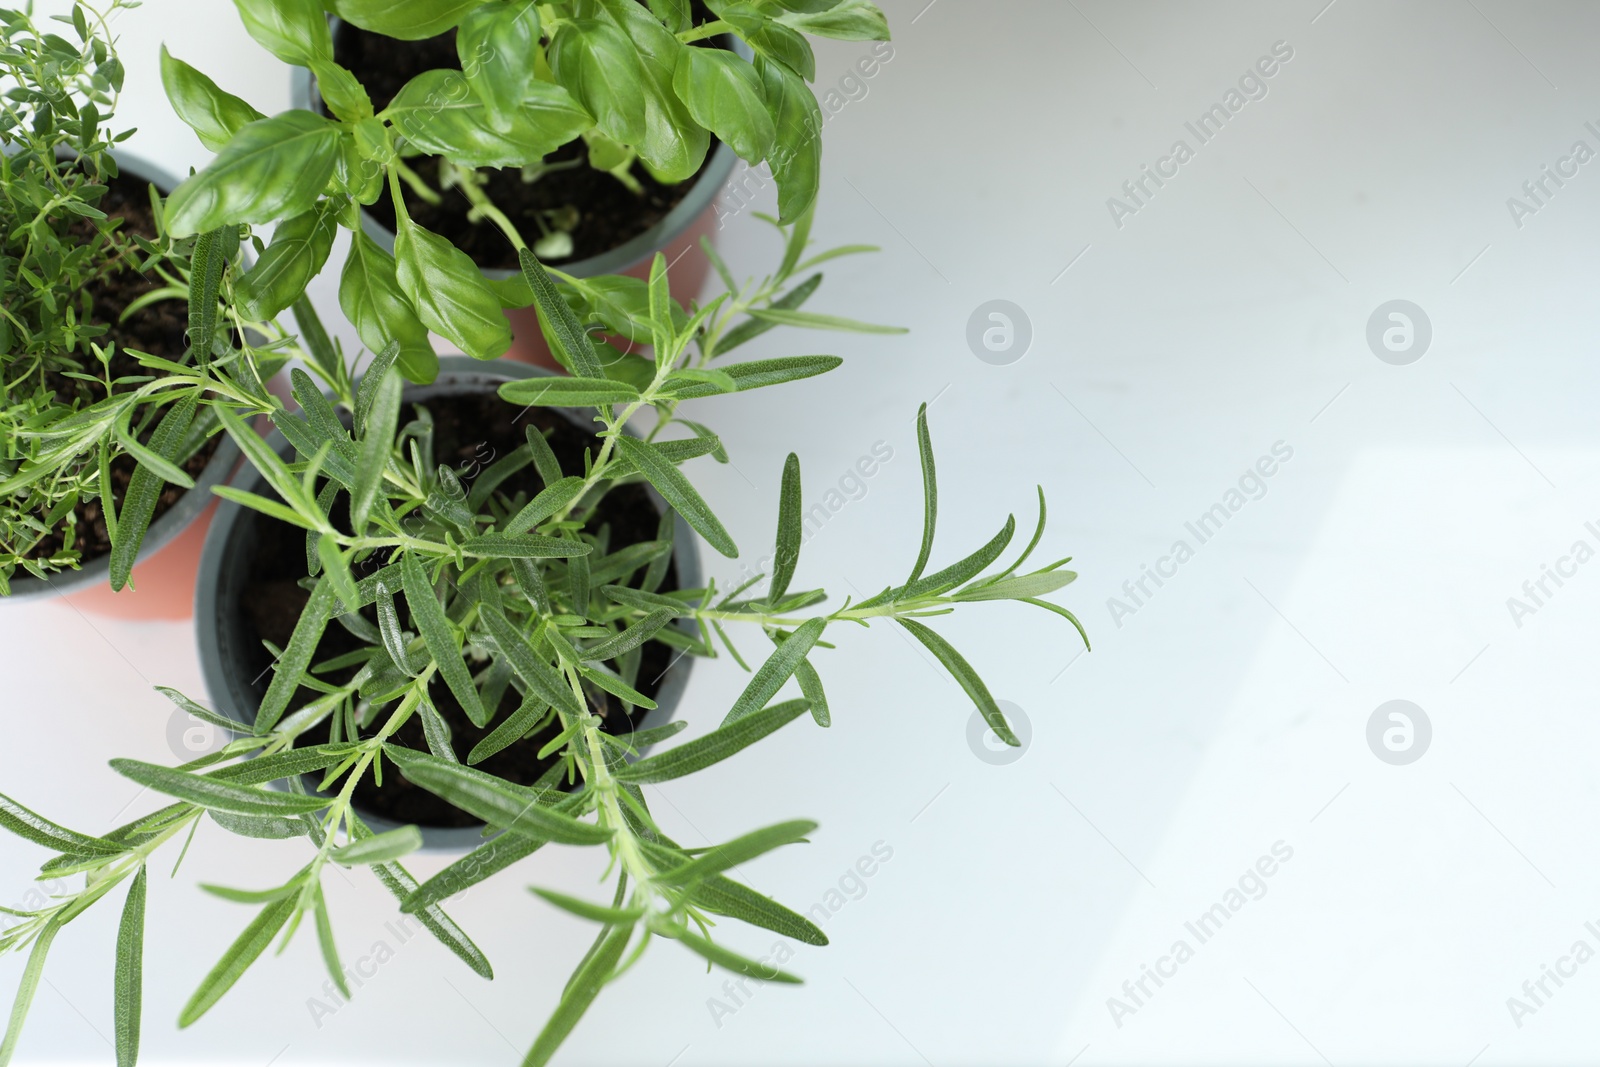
point(512, 603)
point(552, 102)
point(107, 448)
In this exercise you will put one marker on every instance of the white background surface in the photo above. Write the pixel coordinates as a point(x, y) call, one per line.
point(1227, 714)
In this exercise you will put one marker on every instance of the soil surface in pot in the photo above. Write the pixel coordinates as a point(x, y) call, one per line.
point(609, 214)
point(158, 329)
point(468, 429)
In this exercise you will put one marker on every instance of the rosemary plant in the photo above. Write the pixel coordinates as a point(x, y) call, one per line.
point(514, 606)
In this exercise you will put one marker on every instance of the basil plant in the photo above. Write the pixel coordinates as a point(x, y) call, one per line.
point(514, 606)
point(623, 75)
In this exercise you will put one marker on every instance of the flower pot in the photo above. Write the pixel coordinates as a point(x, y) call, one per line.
point(162, 585)
point(677, 234)
point(231, 657)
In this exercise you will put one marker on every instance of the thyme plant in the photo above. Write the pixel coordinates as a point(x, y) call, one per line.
point(514, 606)
point(623, 75)
point(74, 403)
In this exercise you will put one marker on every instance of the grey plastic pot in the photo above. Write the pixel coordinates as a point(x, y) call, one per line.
point(224, 634)
point(630, 254)
point(170, 523)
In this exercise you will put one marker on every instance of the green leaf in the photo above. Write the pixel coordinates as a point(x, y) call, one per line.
point(26, 989)
point(583, 909)
point(493, 43)
point(254, 896)
point(523, 546)
point(296, 254)
point(402, 885)
point(448, 292)
point(41, 831)
point(296, 657)
point(740, 850)
point(540, 677)
point(732, 961)
point(774, 43)
point(237, 959)
point(215, 116)
point(326, 942)
point(597, 64)
point(379, 848)
point(565, 392)
point(778, 669)
point(337, 570)
point(437, 634)
point(629, 639)
point(263, 505)
point(790, 530)
point(796, 155)
point(582, 989)
point(261, 827)
point(291, 763)
point(811, 688)
point(485, 861)
point(968, 678)
point(725, 96)
point(930, 493)
point(963, 571)
point(212, 794)
point(727, 897)
point(812, 320)
point(495, 801)
point(405, 20)
point(555, 496)
point(528, 715)
point(1020, 587)
point(850, 20)
point(679, 493)
point(438, 113)
point(371, 297)
point(372, 450)
point(128, 980)
point(204, 714)
point(674, 145)
point(296, 31)
point(144, 488)
point(718, 745)
point(394, 641)
point(759, 373)
point(273, 168)
point(568, 341)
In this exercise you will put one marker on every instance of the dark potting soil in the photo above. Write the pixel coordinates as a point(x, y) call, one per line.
point(159, 329)
point(468, 430)
point(609, 214)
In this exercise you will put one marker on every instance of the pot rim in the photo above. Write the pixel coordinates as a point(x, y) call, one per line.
point(636, 250)
point(229, 695)
point(169, 524)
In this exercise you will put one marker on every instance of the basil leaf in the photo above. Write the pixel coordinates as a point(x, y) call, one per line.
point(296, 31)
point(271, 169)
point(494, 43)
point(438, 113)
point(296, 254)
point(448, 292)
point(404, 20)
point(371, 298)
point(215, 116)
point(597, 64)
point(725, 96)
